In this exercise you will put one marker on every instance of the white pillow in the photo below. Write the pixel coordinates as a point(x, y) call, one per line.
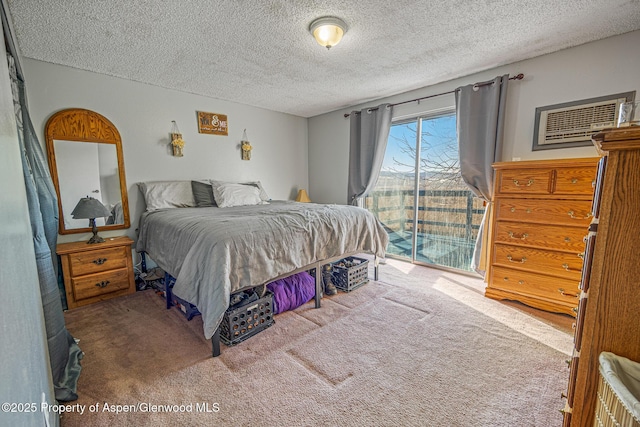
point(167, 194)
point(228, 194)
point(257, 184)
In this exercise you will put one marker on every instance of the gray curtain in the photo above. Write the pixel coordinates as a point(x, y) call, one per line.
point(480, 111)
point(368, 143)
point(64, 353)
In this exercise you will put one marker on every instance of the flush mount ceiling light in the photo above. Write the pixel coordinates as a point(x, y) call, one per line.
point(328, 30)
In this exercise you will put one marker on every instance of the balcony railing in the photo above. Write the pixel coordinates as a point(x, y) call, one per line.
point(447, 223)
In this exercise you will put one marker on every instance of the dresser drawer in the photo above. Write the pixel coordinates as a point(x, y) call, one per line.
point(561, 264)
point(573, 181)
point(561, 212)
point(532, 284)
point(100, 284)
point(546, 236)
point(525, 181)
point(96, 261)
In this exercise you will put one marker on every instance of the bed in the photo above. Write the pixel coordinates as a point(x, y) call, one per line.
point(213, 252)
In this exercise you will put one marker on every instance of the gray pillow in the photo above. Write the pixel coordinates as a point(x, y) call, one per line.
point(203, 194)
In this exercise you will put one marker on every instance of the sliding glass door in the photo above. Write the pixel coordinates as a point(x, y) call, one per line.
point(420, 198)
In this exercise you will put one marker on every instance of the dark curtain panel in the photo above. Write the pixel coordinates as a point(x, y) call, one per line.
point(64, 353)
point(368, 143)
point(480, 114)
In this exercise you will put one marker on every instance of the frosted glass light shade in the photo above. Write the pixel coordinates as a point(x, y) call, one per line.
point(328, 31)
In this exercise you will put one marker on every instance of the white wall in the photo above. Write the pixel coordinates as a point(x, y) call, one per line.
point(143, 114)
point(595, 69)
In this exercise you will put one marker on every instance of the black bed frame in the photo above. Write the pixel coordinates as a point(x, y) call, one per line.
point(317, 266)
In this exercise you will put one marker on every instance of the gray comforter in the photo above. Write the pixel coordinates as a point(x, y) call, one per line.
point(213, 252)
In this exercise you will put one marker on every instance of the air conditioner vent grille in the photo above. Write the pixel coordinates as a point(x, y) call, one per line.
point(575, 122)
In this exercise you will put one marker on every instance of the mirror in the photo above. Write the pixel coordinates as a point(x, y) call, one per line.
point(85, 159)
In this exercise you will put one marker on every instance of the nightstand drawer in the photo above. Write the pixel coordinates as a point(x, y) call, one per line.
point(96, 261)
point(100, 284)
point(567, 212)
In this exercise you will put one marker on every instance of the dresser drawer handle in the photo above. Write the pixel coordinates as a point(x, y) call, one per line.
point(103, 284)
point(572, 214)
point(568, 295)
point(99, 261)
point(566, 266)
point(528, 184)
point(574, 180)
point(518, 236)
point(514, 209)
point(581, 255)
point(521, 260)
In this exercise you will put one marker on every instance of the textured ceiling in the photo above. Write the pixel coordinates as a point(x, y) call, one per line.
point(260, 53)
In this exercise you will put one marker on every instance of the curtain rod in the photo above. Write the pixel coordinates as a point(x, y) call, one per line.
point(518, 77)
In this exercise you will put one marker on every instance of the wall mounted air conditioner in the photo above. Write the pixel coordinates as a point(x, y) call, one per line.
point(572, 124)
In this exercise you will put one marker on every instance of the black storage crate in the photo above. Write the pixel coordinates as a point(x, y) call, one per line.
point(242, 322)
point(350, 273)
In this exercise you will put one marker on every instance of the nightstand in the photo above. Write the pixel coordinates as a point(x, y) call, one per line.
point(98, 271)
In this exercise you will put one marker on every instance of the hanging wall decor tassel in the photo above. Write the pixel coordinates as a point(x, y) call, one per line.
point(245, 146)
point(177, 142)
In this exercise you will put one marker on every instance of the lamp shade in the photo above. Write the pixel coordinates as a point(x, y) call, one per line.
point(88, 208)
point(303, 196)
point(328, 30)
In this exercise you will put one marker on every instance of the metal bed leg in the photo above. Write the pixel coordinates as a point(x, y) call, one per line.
point(168, 293)
point(143, 262)
point(318, 284)
point(215, 343)
point(376, 261)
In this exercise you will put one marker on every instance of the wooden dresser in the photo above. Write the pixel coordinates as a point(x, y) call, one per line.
point(610, 290)
point(95, 272)
point(542, 210)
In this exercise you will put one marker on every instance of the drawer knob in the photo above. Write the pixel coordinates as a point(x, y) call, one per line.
point(521, 260)
point(566, 266)
point(574, 180)
point(103, 284)
point(567, 239)
point(520, 282)
point(518, 236)
point(572, 214)
point(528, 184)
point(99, 261)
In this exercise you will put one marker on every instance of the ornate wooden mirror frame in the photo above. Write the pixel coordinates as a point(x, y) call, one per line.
point(77, 126)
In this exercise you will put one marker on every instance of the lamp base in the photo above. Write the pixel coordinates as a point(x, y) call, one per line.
point(94, 229)
point(95, 239)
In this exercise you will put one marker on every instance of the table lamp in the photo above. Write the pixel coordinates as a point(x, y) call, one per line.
point(303, 196)
point(90, 208)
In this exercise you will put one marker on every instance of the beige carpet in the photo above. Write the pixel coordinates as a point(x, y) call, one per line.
point(422, 347)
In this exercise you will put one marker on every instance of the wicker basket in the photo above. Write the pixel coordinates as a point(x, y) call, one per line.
point(617, 402)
